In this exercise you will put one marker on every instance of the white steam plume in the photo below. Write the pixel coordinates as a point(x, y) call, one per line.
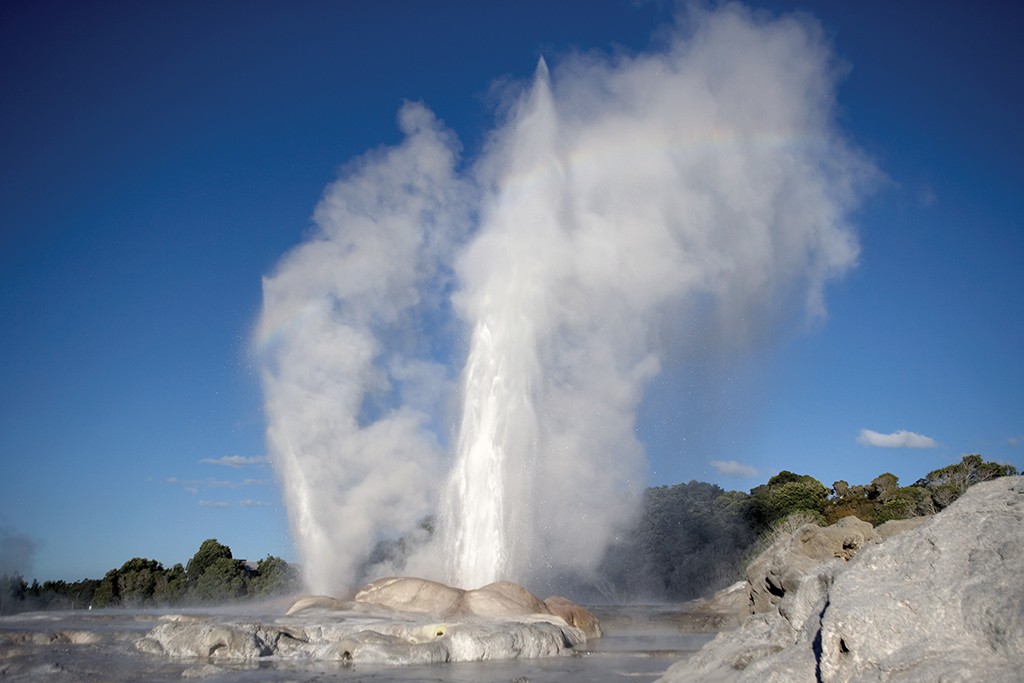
point(622, 202)
point(348, 375)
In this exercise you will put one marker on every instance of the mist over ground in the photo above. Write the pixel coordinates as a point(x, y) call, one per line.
point(471, 338)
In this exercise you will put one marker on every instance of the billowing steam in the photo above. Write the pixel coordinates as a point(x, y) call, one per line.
point(622, 202)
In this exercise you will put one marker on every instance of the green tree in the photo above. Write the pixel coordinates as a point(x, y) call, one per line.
point(690, 539)
point(274, 576)
point(137, 581)
point(948, 483)
point(883, 485)
point(63, 595)
point(107, 593)
point(213, 575)
point(209, 552)
point(786, 493)
point(224, 579)
point(172, 589)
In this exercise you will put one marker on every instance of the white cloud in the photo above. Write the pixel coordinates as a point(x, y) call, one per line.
point(733, 468)
point(1015, 440)
point(927, 196)
point(236, 461)
point(250, 503)
point(216, 504)
point(898, 439)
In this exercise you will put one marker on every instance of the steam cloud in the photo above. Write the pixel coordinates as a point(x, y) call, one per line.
point(17, 551)
point(621, 204)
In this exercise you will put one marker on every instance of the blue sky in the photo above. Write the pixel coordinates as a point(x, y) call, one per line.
point(159, 158)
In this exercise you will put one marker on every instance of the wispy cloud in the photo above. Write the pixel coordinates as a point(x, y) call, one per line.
point(927, 196)
point(223, 504)
point(897, 439)
point(1016, 440)
point(733, 468)
point(193, 485)
point(236, 461)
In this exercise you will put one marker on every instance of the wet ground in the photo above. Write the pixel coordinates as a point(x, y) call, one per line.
point(640, 643)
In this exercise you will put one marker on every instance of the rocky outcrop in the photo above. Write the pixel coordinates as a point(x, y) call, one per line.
point(193, 638)
point(941, 599)
point(408, 594)
point(501, 599)
point(394, 621)
point(943, 602)
point(898, 526)
point(348, 638)
point(308, 602)
point(792, 575)
point(734, 599)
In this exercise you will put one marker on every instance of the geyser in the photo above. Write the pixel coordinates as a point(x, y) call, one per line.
point(622, 203)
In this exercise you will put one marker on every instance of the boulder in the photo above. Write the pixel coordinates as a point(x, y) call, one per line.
point(942, 600)
point(800, 558)
point(407, 594)
point(501, 599)
point(898, 526)
point(308, 602)
point(397, 621)
point(364, 635)
point(574, 615)
point(188, 638)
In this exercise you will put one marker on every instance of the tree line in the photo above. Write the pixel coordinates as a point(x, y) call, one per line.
point(212, 575)
point(695, 538)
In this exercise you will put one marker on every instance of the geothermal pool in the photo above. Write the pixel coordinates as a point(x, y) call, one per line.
point(639, 644)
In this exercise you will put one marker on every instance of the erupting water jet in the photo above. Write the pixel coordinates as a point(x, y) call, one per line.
point(704, 182)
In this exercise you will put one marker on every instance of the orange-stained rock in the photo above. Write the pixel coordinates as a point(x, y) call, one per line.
point(575, 615)
point(501, 599)
point(316, 602)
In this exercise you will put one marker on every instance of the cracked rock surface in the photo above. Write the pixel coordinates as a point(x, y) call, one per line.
point(942, 599)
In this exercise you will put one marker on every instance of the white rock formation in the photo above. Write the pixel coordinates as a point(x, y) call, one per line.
point(396, 621)
point(940, 601)
point(353, 638)
point(500, 599)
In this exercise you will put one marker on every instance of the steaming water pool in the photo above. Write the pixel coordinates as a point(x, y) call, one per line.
point(640, 643)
